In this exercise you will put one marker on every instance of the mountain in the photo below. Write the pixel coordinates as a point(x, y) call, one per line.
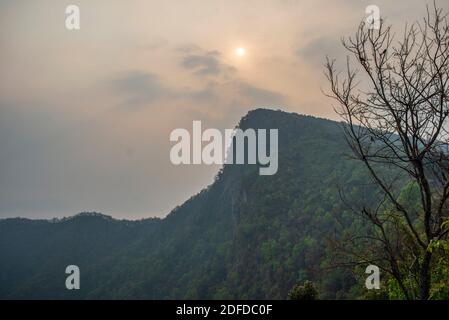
point(246, 236)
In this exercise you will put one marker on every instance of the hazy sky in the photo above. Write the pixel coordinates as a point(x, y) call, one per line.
point(85, 116)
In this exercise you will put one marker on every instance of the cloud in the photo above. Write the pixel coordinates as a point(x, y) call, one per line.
point(219, 85)
point(140, 83)
point(235, 93)
point(258, 96)
point(225, 83)
point(316, 51)
point(139, 87)
point(206, 94)
point(204, 63)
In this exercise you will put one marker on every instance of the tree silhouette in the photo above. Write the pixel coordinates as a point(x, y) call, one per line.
point(395, 109)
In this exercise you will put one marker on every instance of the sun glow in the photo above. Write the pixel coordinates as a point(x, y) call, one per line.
point(240, 51)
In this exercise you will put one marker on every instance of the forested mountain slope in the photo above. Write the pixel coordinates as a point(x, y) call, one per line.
point(246, 236)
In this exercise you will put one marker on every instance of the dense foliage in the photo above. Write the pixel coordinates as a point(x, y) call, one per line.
point(246, 236)
point(305, 292)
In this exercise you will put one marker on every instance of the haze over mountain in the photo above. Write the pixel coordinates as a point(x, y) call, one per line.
point(245, 236)
point(85, 115)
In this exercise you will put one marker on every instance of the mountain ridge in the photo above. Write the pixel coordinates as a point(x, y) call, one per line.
point(107, 216)
point(244, 236)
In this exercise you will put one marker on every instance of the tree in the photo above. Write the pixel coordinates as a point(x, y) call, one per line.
point(305, 292)
point(396, 123)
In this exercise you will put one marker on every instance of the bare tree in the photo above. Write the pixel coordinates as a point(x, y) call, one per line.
point(394, 103)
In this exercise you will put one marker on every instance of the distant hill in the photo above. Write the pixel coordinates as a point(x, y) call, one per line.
point(245, 236)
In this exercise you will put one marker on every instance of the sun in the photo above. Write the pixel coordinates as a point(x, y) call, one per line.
point(240, 51)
